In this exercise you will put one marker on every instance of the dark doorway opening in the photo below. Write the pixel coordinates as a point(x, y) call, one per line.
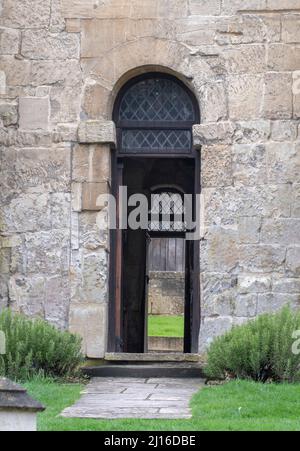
point(154, 115)
point(148, 176)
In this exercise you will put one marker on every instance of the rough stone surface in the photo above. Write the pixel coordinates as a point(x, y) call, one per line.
point(63, 63)
point(34, 113)
point(135, 398)
point(97, 132)
point(166, 293)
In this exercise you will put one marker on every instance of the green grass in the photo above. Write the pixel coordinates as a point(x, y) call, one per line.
point(165, 326)
point(236, 406)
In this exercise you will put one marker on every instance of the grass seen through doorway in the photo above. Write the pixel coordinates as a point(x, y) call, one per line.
point(165, 326)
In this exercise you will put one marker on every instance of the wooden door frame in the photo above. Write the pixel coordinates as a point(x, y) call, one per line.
point(115, 329)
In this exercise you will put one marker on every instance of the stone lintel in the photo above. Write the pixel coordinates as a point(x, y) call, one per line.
point(97, 132)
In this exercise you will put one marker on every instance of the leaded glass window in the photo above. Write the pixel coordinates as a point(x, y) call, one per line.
point(167, 212)
point(155, 114)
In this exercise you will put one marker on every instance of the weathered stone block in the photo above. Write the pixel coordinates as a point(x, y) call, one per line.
point(41, 170)
point(166, 293)
point(249, 29)
point(91, 236)
point(216, 166)
point(293, 261)
point(90, 194)
point(9, 41)
point(76, 196)
point(65, 103)
point(244, 59)
point(39, 44)
point(114, 9)
point(296, 201)
point(5, 261)
point(57, 21)
point(101, 36)
point(278, 5)
point(102, 132)
point(197, 30)
point(91, 163)
point(249, 229)
point(262, 258)
point(272, 302)
point(233, 6)
point(27, 295)
point(283, 162)
point(291, 28)
point(73, 26)
point(217, 293)
point(34, 113)
point(284, 131)
point(211, 328)
point(90, 322)
point(2, 82)
point(244, 96)
point(65, 133)
point(296, 95)
point(95, 101)
point(3, 291)
point(18, 264)
point(8, 113)
point(10, 241)
point(286, 285)
point(26, 213)
point(44, 72)
point(48, 252)
point(278, 100)
point(254, 284)
point(213, 102)
point(281, 231)
point(225, 205)
point(60, 210)
point(74, 231)
point(246, 305)
point(17, 71)
point(205, 7)
point(283, 57)
point(92, 283)
point(57, 301)
point(252, 131)
point(220, 251)
point(25, 14)
point(25, 138)
point(249, 164)
point(213, 133)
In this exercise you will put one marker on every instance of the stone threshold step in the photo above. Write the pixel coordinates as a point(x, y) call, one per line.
point(151, 357)
point(145, 371)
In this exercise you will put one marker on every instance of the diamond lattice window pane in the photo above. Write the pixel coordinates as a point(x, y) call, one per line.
point(156, 140)
point(167, 213)
point(156, 99)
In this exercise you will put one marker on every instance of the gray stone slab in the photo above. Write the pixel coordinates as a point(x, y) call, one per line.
point(135, 398)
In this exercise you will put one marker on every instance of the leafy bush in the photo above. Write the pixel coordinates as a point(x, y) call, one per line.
point(34, 347)
point(260, 349)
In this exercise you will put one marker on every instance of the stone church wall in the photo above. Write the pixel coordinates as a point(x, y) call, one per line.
point(62, 65)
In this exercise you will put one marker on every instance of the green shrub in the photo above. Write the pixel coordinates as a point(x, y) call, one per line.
point(260, 349)
point(34, 347)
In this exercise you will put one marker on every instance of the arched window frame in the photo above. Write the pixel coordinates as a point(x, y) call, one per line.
point(175, 126)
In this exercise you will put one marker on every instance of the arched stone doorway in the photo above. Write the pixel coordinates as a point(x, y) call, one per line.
point(154, 115)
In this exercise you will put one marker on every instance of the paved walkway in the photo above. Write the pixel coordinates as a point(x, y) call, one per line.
point(112, 398)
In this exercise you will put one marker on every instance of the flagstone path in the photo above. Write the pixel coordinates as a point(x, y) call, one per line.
point(113, 398)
